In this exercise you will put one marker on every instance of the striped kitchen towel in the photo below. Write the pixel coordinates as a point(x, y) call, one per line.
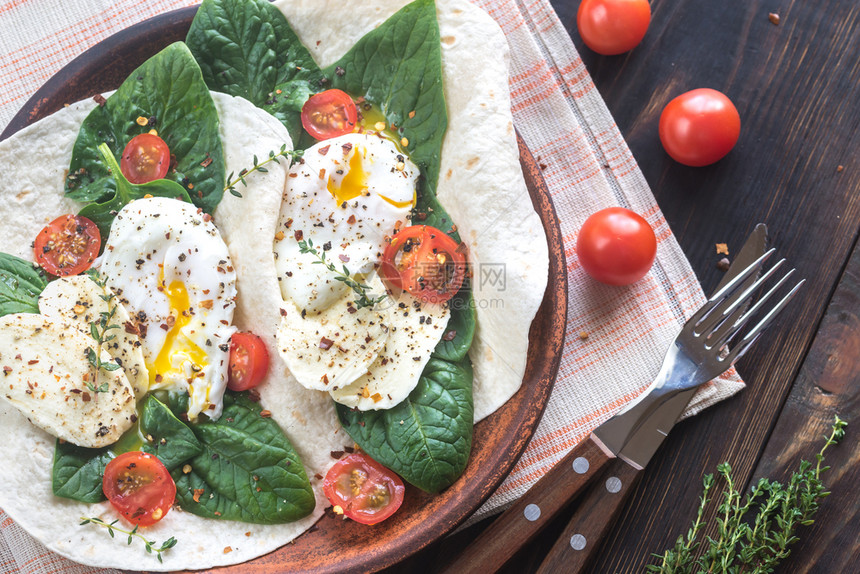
point(586, 164)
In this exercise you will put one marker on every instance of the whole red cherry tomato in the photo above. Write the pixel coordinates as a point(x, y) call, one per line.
point(616, 246)
point(699, 127)
point(611, 27)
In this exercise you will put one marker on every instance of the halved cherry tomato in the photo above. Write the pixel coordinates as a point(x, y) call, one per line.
point(425, 262)
point(145, 158)
point(611, 27)
point(139, 487)
point(365, 490)
point(67, 246)
point(329, 114)
point(699, 127)
point(616, 246)
point(249, 361)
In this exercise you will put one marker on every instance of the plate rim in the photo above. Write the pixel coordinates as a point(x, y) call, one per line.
point(547, 335)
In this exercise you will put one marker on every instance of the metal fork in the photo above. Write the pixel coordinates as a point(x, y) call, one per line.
point(708, 344)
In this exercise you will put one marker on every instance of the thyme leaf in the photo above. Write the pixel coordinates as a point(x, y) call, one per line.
point(745, 543)
point(99, 332)
point(292, 155)
point(150, 545)
point(342, 275)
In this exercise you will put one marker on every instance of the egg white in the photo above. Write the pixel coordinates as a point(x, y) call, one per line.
point(344, 198)
point(170, 268)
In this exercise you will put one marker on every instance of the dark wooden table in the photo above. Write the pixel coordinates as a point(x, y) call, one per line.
point(796, 168)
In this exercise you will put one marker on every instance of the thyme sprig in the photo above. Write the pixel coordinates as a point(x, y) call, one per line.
point(292, 155)
point(746, 544)
point(99, 332)
point(151, 545)
point(360, 289)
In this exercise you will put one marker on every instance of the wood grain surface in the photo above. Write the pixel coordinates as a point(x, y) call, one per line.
point(797, 168)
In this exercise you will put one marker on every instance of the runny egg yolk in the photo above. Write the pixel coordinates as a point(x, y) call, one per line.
point(177, 348)
point(353, 183)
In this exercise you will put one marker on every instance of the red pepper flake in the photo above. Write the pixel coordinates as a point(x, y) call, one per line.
point(774, 18)
point(351, 219)
point(337, 454)
point(322, 173)
point(206, 303)
point(158, 378)
point(325, 344)
point(839, 168)
point(85, 397)
point(33, 362)
point(206, 162)
point(100, 100)
point(266, 414)
point(323, 150)
point(279, 236)
point(131, 328)
point(318, 476)
point(283, 312)
point(227, 550)
point(198, 492)
point(449, 336)
point(324, 379)
point(299, 235)
point(347, 147)
point(216, 513)
point(254, 395)
point(7, 370)
point(206, 217)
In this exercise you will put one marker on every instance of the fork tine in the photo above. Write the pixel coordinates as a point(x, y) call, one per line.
point(751, 337)
point(724, 330)
point(720, 296)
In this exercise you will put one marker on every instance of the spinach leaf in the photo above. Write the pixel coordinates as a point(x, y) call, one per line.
point(398, 66)
point(247, 49)
point(247, 470)
point(102, 214)
point(78, 471)
point(21, 282)
point(462, 324)
point(170, 88)
point(426, 439)
point(172, 441)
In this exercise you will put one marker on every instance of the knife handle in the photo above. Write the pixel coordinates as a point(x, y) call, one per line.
point(594, 516)
point(520, 523)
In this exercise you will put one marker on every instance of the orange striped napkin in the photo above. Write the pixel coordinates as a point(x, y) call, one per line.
point(588, 167)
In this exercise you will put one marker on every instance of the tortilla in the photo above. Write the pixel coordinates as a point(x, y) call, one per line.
point(480, 184)
point(497, 220)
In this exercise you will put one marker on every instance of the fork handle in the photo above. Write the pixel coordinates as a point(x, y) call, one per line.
point(592, 519)
point(520, 523)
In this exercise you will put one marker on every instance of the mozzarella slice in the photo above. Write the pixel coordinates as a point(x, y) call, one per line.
point(45, 374)
point(77, 300)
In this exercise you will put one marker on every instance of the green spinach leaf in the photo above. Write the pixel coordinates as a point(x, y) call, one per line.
point(247, 49)
point(102, 214)
point(170, 88)
point(461, 324)
point(172, 441)
point(78, 471)
point(398, 66)
point(247, 471)
point(21, 283)
point(426, 439)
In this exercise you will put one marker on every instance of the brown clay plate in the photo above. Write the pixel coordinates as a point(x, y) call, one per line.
point(336, 545)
